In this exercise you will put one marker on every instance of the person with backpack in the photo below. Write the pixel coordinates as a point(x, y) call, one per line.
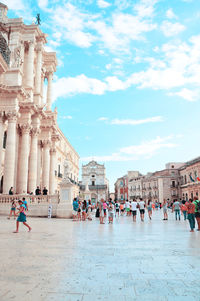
point(197, 211)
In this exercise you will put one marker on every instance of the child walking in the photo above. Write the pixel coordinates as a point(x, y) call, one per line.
point(12, 210)
point(21, 217)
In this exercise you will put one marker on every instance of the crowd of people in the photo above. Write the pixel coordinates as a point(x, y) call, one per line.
point(189, 209)
point(86, 210)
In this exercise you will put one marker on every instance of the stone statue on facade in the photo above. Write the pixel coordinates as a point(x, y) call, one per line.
point(17, 58)
point(66, 170)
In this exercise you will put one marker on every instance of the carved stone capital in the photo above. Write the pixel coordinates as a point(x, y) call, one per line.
point(28, 44)
point(38, 47)
point(11, 116)
point(25, 128)
point(49, 75)
point(46, 143)
point(35, 132)
point(53, 151)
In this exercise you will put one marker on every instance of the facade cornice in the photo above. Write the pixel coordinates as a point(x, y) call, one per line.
point(13, 90)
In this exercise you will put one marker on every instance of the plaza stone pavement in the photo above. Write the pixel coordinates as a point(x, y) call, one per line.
point(84, 261)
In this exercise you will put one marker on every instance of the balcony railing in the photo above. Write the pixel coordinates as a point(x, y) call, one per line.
point(96, 187)
point(33, 199)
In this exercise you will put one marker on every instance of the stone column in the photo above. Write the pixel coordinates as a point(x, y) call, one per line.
point(49, 91)
point(30, 65)
point(38, 73)
point(39, 165)
point(52, 171)
point(42, 89)
point(1, 137)
point(45, 164)
point(33, 160)
point(10, 154)
point(23, 159)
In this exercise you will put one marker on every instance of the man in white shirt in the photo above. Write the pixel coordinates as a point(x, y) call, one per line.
point(134, 206)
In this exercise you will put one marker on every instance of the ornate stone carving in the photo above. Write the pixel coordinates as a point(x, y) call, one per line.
point(53, 151)
point(66, 169)
point(17, 60)
point(25, 128)
point(12, 116)
point(35, 132)
point(46, 143)
point(27, 45)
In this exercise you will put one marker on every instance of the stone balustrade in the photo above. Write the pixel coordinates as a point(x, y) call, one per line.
point(31, 199)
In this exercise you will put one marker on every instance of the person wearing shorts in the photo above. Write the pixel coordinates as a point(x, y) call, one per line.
point(122, 209)
point(142, 209)
point(134, 206)
point(164, 206)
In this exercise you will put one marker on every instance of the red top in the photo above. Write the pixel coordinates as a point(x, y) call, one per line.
point(184, 207)
point(191, 208)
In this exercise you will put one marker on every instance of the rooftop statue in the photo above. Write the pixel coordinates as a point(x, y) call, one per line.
point(38, 19)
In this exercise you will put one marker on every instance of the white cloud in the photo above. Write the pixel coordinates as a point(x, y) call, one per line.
point(42, 3)
point(102, 118)
point(71, 23)
point(135, 121)
point(84, 29)
point(145, 8)
point(170, 14)
point(103, 4)
point(67, 86)
point(171, 29)
point(66, 117)
point(14, 4)
point(178, 65)
point(144, 150)
point(187, 94)
point(114, 84)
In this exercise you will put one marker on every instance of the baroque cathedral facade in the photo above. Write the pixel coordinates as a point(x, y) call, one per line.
point(32, 146)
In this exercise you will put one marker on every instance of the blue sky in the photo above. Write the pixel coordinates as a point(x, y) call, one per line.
point(127, 87)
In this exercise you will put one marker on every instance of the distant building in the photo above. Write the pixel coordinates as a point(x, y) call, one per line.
point(157, 186)
point(121, 185)
point(190, 179)
point(94, 184)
